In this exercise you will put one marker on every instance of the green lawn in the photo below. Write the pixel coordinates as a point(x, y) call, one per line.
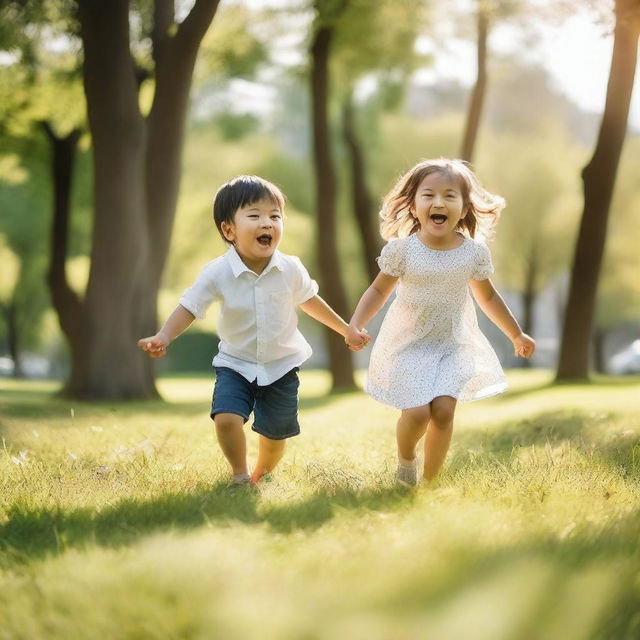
point(116, 521)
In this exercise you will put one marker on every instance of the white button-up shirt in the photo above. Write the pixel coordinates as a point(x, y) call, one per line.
point(257, 324)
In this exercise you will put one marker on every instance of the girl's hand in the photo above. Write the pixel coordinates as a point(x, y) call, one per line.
point(155, 346)
point(524, 345)
point(357, 339)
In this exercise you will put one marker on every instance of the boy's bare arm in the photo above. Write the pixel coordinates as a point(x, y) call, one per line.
point(496, 310)
point(319, 310)
point(179, 321)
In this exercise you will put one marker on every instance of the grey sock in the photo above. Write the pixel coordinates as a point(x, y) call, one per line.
point(241, 478)
point(407, 472)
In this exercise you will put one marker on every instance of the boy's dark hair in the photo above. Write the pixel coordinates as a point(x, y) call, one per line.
point(240, 192)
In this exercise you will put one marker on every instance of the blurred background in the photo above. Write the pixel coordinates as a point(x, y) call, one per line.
point(119, 123)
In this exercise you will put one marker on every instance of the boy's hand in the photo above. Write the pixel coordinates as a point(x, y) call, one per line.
point(524, 345)
point(357, 339)
point(155, 346)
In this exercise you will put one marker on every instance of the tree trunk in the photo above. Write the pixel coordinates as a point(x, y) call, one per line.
point(13, 342)
point(175, 58)
point(599, 338)
point(477, 96)
point(341, 364)
point(67, 304)
point(529, 296)
point(113, 366)
point(137, 169)
point(362, 201)
point(598, 181)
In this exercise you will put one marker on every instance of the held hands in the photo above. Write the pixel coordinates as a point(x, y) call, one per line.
point(357, 339)
point(524, 345)
point(155, 346)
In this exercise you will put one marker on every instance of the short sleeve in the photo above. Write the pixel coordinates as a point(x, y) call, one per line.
point(391, 259)
point(304, 287)
point(483, 265)
point(199, 296)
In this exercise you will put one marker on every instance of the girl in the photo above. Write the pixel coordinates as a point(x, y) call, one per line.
point(430, 352)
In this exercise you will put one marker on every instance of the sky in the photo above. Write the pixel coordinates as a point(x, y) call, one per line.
point(577, 55)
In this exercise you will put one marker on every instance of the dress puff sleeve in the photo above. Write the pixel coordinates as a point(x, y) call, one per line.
point(483, 265)
point(391, 259)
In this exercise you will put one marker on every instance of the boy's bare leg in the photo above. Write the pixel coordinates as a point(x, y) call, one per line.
point(269, 454)
point(439, 432)
point(412, 425)
point(232, 441)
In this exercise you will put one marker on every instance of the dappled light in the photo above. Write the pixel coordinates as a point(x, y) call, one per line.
point(408, 230)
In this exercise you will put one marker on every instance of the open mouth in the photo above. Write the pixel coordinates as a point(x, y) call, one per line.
point(438, 218)
point(265, 240)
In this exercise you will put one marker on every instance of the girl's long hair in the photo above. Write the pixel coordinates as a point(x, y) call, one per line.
point(483, 208)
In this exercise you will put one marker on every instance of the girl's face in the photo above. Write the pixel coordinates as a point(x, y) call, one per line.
point(438, 206)
point(255, 232)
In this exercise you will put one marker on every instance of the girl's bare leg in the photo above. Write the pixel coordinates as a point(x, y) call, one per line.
point(439, 433)
point(269, 454)
point(412, 425)
point(232, 441)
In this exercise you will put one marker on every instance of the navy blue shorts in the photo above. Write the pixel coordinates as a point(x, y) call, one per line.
point(274, 406)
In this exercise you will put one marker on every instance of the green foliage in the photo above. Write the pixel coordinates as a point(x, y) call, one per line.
point(539, 223)
point(234, 47)
point(192, 353)
point(234, 126)
point(27, 204)
point(535, 520)
point(379, 38)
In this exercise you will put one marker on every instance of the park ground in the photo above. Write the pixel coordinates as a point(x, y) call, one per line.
point(116, 521)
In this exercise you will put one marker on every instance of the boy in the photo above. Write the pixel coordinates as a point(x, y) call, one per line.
point(260, 347)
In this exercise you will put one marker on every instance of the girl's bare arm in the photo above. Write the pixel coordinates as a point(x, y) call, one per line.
point(370, 303)
point(495, 308)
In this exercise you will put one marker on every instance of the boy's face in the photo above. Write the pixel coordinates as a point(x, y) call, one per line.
point(255, 232)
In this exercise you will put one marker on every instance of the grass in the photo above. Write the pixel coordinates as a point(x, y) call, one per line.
point(116, 521)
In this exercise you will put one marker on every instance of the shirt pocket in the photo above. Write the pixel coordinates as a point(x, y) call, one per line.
point(280, 310)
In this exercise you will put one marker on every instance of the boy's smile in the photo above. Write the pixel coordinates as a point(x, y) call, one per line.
point(255, 232)
point(439, 207)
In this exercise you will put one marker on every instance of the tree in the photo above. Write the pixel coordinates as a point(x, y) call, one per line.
point(618, 298)
point(137, 174)
point(373, 42)
point(598, 182)
point(488, 12)
point(476, 101)
point(340, 361)
point(37, 85)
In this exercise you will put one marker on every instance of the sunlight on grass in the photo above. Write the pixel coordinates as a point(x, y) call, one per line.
point(116, 520)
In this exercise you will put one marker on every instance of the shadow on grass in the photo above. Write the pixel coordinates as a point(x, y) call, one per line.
point(589, 432)
point(550, 427)
point(24, 403)
point(493, 570)
point(618, 382)
point(32, 533)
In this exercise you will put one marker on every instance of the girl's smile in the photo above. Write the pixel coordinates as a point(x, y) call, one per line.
point(439, 207)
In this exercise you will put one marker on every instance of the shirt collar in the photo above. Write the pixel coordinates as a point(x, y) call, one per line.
point(238, 267)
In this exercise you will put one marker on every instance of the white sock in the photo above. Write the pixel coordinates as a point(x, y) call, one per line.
point(403, 462)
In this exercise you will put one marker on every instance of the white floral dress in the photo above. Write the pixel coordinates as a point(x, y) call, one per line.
point(429, 344)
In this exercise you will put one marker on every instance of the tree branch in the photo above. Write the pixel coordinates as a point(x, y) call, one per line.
point(195, 25)
point(163, 19)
